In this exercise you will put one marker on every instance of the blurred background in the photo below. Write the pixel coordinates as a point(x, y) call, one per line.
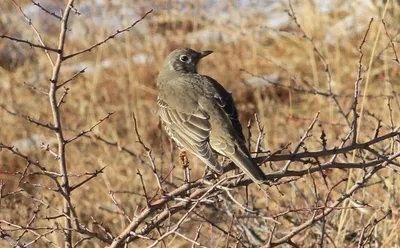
point(272, 66)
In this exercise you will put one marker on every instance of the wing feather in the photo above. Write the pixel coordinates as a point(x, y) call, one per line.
point(191, 131)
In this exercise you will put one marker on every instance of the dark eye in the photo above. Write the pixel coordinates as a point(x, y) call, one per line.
point(184, 58)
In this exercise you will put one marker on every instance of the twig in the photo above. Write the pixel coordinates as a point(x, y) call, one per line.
point(93, 175)
point(31, 44)
point(363, 241)
point(357, 85)
point(65, 93)
point(46, 10)
point(292, 14)
point(106, 39)
point(144, 188)
point(396, 59)
point(301, 142)
point(359, 184)
point(34, 88)
point(38, 123)
point(149, 155)
point(72, 78)
point(34, 30)
point(178, 225)
point(197, 234)
point(119, 206)
point(89, 130)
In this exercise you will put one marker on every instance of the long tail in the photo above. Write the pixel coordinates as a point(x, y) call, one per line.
point(248, 166)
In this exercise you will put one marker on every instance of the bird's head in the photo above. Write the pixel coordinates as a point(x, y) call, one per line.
point(184, 60)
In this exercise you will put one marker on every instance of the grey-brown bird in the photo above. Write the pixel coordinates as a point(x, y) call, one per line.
point(200, 115)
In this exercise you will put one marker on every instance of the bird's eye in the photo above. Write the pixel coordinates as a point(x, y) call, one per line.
point(184, 58)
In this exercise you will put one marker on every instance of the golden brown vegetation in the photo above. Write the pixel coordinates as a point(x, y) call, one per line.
point(285, 75)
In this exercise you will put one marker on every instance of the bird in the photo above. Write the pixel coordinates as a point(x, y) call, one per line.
point(199, 114)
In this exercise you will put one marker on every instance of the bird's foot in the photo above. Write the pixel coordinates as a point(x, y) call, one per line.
point(209, 174)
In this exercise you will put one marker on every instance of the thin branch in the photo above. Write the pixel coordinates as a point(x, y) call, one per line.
point(46, 10)
point(292, 14)
point(38, 123)
point(72, 78)
point(106, 39)
point(396, 59)
point(355, 125)
point(359, 184)
point(34, 88)
point(31, 44)
point(149, 155)
point(34, 30)
point(301, 142)
point(15, 151)
point(178, 225)
point(88, 130)
point(62, 98)
point(93, 175)
point(197, 234)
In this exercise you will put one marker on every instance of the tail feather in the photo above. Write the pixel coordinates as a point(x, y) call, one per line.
point(247, 165)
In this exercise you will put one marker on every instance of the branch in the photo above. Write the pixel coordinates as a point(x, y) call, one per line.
point(106, 39)
point(88, 130)
point(34, 30)
point(301, 142)
point(62, 162)
point(72, 78)
point(92, 175)
point(355, 126)
point(327, 211)
point(46, 10)
point(31, 44)
point(396, 59)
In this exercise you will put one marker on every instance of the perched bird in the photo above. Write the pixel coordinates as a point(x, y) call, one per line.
point(200, 115)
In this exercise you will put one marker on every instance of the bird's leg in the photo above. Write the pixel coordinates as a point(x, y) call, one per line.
point(210, 173)
point(185, 164)
point(207, 172)
point(237, 181)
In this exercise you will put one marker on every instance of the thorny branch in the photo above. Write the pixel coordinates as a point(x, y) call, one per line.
point(72, 224)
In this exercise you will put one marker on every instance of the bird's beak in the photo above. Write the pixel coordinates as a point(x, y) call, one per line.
point(205, 53)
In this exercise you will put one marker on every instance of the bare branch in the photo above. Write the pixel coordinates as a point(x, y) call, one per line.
point(92, 175)
point(324, 213)
point(46, 10)
point(31, 44)
point(88, 130)
point(149, 155)
point(355, 125)
point(301, 142)
point(34, 30)
point(34, 88)
point(72, 78)
point(106, 39)
point(396, 59)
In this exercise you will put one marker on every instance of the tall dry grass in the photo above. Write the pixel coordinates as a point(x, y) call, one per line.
point(121, 75)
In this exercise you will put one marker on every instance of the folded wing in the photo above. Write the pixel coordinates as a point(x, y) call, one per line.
point(191, 131)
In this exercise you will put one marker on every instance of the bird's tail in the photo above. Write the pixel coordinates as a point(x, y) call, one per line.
point(247, 165)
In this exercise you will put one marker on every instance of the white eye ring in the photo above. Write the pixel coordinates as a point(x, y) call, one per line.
point(184, 58)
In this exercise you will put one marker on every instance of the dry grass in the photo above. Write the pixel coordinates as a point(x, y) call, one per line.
point(114, 82)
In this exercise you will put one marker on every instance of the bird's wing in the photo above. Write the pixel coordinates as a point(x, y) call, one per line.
point(225, 101)
point(191, 131)
point(236, 151)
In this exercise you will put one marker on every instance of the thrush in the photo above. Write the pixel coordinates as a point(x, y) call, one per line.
point(200, 115)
